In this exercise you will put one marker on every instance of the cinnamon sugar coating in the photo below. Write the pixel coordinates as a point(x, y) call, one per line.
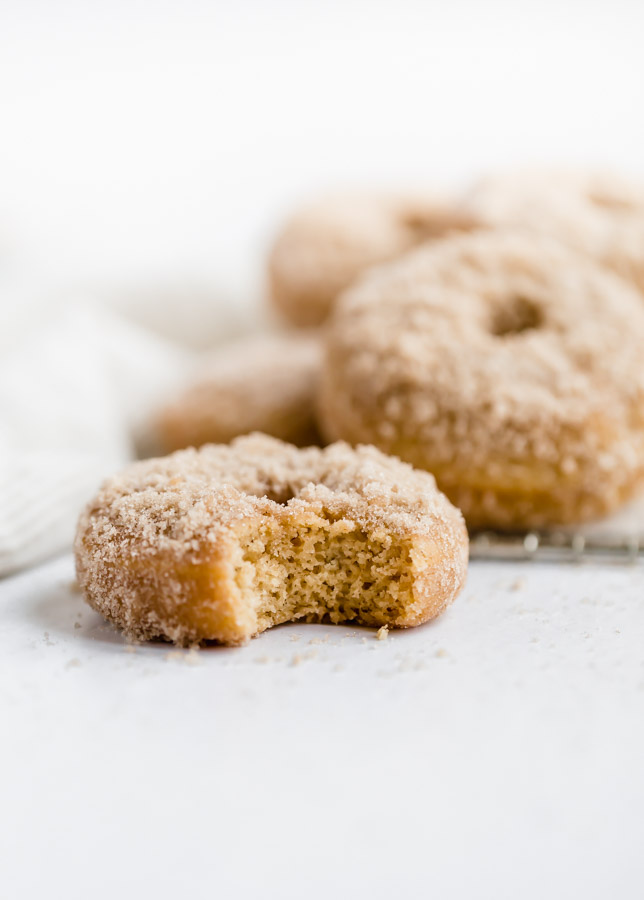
point(327, 244)
point(504, 363)
point(261, 383)
point(223, 542)
point(598, 213)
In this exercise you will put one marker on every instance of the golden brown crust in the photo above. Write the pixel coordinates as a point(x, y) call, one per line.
point(504, 363)
point(328, 244)
point(209, 544)
point(262, 383)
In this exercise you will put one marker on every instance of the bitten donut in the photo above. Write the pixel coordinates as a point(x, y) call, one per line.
point(599, 214)
point(504, 363)
point(263, 383)
point(327, 244)
point(224, 542)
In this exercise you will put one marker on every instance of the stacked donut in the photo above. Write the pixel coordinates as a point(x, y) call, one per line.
point(493, 340)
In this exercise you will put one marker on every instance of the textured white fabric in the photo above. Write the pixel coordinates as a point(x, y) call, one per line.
point(77, 384)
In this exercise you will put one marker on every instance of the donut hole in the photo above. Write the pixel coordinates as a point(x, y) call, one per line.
point(323, 569)
point(516, 317)
point(420, 226)
point(424, 225)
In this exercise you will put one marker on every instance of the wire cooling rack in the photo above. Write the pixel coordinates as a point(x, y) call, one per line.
point(558, 546)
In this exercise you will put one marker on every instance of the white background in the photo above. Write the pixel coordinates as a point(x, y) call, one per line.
point(496, 753)
point(145, 139)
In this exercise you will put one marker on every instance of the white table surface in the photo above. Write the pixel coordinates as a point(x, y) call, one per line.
point(498, 752)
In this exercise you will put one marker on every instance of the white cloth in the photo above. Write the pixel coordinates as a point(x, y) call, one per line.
point(81, 375)
point(76, 390)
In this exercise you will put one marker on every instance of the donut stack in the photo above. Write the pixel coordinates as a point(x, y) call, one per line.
point(492, 338)
point(478, 356)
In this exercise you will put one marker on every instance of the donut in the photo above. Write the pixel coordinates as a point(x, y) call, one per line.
point(599, 214)
point(262, 383)
point(328, 243)
point(221, 543)
point(505, 363)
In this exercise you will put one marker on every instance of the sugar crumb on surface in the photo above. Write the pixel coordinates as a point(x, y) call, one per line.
point(298, 658)
point(320, 640)
point(383, 633)
point(189, 657)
